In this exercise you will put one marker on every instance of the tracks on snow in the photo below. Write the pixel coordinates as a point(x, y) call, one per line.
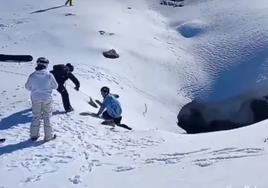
point(85, 147)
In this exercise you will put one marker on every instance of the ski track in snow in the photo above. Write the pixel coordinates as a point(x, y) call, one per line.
point(206, 157)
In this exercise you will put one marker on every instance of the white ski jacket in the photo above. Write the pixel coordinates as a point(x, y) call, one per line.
point(41, 83)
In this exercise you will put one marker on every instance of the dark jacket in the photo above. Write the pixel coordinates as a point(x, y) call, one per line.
point(62, 73)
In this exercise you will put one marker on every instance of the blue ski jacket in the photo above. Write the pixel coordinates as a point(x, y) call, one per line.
point(112, 106)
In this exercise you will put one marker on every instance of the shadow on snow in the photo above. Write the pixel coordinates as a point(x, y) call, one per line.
point(21, 117)
point(44, 10)
point(18, 146)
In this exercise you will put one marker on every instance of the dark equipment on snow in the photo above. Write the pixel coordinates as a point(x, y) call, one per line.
point(15, 58)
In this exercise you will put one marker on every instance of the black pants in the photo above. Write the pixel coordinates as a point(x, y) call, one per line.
point(106, 116)
point(65, 97)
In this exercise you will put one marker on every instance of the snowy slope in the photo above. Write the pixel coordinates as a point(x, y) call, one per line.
point(158, 71)
point(229, 42)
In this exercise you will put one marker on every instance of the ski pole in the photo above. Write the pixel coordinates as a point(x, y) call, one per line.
point(84, 94)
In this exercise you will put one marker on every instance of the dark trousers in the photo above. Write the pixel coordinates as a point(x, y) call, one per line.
point(65, 97)
point(106, 116)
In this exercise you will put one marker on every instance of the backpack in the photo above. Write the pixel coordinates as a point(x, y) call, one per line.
point(61, 70)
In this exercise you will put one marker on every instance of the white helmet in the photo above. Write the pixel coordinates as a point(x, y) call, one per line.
point(42, 61)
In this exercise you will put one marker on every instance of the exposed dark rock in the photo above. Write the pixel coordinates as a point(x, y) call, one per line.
point(112, 54)
point(178, 5)
point(104, 33)
point(173, 3)
point(69, 14)
point(260, 109)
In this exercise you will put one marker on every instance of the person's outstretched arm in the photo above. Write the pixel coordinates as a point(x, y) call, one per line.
point(74, 80)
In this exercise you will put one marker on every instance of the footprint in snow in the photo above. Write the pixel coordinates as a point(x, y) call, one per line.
point(31, 179)
point(228, 154)
point(124, 168)
point(86, 168)
point(76, 179)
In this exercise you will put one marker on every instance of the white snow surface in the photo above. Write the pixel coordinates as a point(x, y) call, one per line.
point(210, 50)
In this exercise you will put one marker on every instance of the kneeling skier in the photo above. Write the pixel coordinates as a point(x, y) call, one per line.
point(113, 112)
point(113, 108)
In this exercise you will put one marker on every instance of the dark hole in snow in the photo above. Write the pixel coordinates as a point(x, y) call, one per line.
point(191, 118)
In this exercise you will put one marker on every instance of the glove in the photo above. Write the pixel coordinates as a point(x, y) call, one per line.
point(61, 89)
point(76, 88)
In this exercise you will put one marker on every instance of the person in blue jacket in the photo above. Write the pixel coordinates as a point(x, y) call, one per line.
point(113, 107)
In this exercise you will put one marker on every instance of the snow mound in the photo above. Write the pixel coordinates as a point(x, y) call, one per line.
point(192, 28)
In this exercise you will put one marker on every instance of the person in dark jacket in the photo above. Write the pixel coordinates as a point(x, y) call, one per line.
point(62, 73)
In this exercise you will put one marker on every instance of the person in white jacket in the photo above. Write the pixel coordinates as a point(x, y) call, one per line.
point(41, 84)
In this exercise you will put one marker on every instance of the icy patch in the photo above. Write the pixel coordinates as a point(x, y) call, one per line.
point(192, 28)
